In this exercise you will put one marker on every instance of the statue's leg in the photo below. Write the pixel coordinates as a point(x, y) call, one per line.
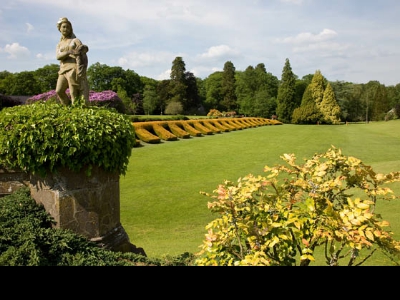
point(62, 85)
point(74, 85)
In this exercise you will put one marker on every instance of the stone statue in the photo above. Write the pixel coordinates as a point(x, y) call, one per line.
point(73, 65)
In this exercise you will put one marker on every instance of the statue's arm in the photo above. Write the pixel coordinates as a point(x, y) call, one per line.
point(62, 53)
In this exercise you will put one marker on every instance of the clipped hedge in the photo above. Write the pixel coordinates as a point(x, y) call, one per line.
point(154, 131)
point(42, 137)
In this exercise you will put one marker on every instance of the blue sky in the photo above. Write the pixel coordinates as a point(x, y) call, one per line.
point(347, 40)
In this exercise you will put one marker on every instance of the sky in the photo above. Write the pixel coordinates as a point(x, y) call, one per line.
point(346, 40)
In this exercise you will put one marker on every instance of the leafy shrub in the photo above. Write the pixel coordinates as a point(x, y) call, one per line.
point(281, 219)
point(27, 238)
point(41, 137)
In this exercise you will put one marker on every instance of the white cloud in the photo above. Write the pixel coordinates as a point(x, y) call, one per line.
point(165, 75)
point(308, 37)
point(15, 51)
point(219, 51)
point(144, 59)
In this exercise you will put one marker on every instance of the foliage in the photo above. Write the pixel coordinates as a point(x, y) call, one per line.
point(329, 107)
point(286, 99)
point(318, 104)
point(178, 84)
point(213, 87)
point(174, 108)
point(27, 238)
point(101, 77)
point(282, 218)
point(256, 91)
point(150, 99)
point(108, 99)
point(193, 101)
point(228, 86)
point(45, 136)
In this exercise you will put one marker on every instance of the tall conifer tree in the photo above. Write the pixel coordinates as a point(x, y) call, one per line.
point(228, 87)
point(286, 102)
point(178, 86)
point(329, 107)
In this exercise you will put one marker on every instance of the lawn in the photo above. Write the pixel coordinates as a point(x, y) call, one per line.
point(163, 211)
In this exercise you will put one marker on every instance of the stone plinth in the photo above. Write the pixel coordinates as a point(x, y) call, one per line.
point(87, 205)
point(77, 201)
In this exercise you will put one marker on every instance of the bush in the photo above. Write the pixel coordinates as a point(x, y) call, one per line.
point(42, 137)
point(27, 238)
point(107, 99)
point(281, 219)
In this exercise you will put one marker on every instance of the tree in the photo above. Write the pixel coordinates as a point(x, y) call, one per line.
point(308, 112)
point(24, 84)
point(164, 94)
point(174, 108)
point(177, 85)
point(137, 104)
point(281, 219)
point(150, 99)
point(46, 77)
point(246, 89)
point(213, 87)
point(329, 107)
point(192, 94)
point(100, 76)
point(228, 86)
point(133, 82)
point(317, 87)
point(286, 102)
point(380, 103)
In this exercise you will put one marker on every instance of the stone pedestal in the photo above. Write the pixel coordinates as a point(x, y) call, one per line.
point(87, 205)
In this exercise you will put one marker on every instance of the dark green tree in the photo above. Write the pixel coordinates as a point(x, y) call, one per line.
point(164, 94)
point(228, 86)
point(246, 89)
point(213, 91)
point(24, 84)
point(3, 81)
point(192, 94)
point(133, 83)
point(178, 85)
point(46, 77)
point(286, 99)
point(100, 76)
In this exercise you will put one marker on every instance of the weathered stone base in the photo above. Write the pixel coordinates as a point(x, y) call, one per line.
point(88, 205)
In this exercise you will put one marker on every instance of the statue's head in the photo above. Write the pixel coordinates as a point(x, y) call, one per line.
point(64, 20)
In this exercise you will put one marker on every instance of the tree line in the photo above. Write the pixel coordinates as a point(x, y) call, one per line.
point(254, 92)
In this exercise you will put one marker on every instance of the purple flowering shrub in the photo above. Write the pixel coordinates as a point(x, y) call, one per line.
point(105, 98)
point(50, 95)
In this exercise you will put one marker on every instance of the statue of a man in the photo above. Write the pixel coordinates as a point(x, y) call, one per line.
point(73, 65)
